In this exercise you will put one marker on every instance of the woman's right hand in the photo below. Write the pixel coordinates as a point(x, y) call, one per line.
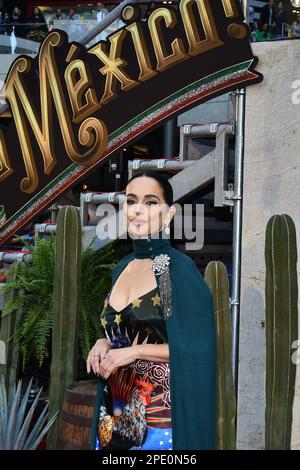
point(96, 354)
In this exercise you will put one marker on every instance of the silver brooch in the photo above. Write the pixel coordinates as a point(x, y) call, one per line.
point(160, 263)
point(160, 266)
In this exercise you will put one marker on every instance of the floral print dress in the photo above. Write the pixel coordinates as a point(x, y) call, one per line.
point(135, 410)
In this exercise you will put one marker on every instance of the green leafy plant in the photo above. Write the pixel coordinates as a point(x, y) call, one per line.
point(9, 366)
point(17, 431)
point(35, 282)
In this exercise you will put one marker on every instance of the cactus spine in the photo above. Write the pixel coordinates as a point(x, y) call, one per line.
point(217, 280)
point(281, 329)
point(66, 295)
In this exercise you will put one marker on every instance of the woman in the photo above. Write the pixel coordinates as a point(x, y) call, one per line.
point(38, 29)
point(296, 27)
point(157, 354)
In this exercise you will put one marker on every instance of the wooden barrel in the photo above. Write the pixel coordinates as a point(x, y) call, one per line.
point(76, 417)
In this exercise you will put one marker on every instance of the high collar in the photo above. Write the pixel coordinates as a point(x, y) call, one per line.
point(150, 247)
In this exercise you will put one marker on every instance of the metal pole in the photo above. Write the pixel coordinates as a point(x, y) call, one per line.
point(237, 228)
point(237, 219)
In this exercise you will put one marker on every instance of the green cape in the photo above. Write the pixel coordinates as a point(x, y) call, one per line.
point(192, 345)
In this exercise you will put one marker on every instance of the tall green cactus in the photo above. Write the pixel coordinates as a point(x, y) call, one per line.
point(66, 295)
point(217, 280)
point(281, 329)
point(9, 364)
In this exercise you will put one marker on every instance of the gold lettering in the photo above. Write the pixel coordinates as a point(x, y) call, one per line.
point(212, 40)
point(141, 51)
point(80, 90)
point(165, 61)
point(5, 166)
point(113, 65)
point(14, 90)
point(92, 132)
point(230, 8)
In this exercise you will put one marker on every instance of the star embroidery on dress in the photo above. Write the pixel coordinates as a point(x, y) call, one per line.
point(103, 322)
point(136, 303)
point(117, 319)
point(156, 300)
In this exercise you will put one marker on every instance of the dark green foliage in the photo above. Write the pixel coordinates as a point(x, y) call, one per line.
point(35, 280)
point(9, 325)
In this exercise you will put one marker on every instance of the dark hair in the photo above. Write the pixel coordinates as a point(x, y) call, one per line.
point(161, 179)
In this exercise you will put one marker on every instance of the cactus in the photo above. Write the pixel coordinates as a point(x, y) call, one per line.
point(9, 363)
point(217, 280)
point(66, 295)
point(281, 329)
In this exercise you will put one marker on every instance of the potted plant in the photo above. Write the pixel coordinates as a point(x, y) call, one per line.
point(34, 280)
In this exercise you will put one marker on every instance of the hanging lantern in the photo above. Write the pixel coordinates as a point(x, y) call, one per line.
point(295, 3)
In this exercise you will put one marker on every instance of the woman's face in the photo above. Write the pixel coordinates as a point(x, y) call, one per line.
point(36, 11)
point(145, 210)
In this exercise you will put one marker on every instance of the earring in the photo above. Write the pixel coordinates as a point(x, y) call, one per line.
point(167, 230)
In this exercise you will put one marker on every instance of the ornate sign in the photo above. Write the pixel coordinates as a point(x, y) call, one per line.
point(71, 107)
